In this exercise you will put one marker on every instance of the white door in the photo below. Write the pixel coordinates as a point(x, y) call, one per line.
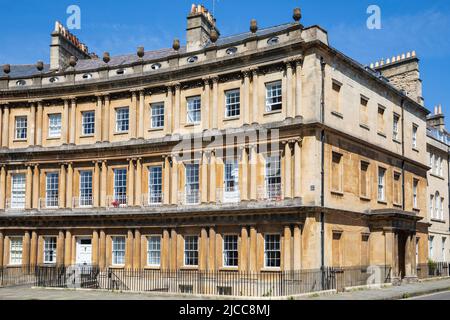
point(84, 250)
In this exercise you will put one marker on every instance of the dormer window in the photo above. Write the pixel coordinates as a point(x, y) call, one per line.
point(120, 71)
point(231, 51)
point(21, 83)
point(87, 76)
point(274, 40)
point(53, 79)
point(192, 59)
point(156, 66)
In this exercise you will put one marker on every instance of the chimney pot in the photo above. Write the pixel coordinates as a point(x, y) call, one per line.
point(7, 68)
point(297, 14)
point(106, 57)
point(140, 52)
point(176, 44)
point(253, 26)
point(40, 65)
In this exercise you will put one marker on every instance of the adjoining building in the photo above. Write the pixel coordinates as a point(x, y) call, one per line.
point(438, 141)
point(264, 151)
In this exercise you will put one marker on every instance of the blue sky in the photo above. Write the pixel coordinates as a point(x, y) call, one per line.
point(120, 26)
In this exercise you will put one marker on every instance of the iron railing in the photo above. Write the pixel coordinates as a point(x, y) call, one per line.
point(17, 275)
point(433, 269)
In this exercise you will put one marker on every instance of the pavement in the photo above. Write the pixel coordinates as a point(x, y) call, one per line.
point(426, 290)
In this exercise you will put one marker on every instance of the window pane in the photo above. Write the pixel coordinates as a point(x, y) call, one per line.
point(192, 183)
point(18, 191)
point(21, 128)
point(54, 125)
point(88, 122)
point(232, 103)
point(157, 115)
point(15, 250)
point(154, 251)
point(155, 185)
point(273, 96)
point(49, 249)
point(273, 177)
point(118, 250)
point(52, 189)
point(191, 251)
point(85, 188)
point(230, 251)
point(120, 185)
point(272, 250)
point(194, 110)
point(122, 119)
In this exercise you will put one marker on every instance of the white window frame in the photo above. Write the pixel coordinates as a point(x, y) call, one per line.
point(190, 249)
point(234, 251)
point(122, 121)
point(381, 184)
point(52, 190)
point(120, 191)
point(233, 103)
point(272, 177)
point(231, 190)
point(431, 244)
point(18, 190)
point(192, 186)
point(415, 193)
point(395, 122)
point(86, 192)
point(21, 128)
point(54, 125)
point(274, 96)
point(50, 250)
point(443, 243)
point(193, 110)
point(415, 129)
point(15, 251)
point(437, 205)
point(157, 116)
point(151, 248)
point(267, 251)
point(155, 184)
point(115, 250)
point(88, 123)
point(432, 206)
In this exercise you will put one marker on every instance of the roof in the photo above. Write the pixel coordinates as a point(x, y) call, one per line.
point(24, 71)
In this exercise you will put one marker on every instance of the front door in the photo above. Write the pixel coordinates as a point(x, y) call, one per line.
point(84, 251)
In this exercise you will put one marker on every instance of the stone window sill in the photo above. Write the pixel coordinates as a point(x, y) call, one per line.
point(337, 114)
point(231, 118)
point(398, 205)
point(382, 202)
point(156, 129)
point(20, 140)
point(436, 176)
point(189, 268)
point(381, 134)
point(415, 149)
point(267, 269)
point(268, 113)
point(53, 138)
point(337, 193)
point(121, 133)
point(397, 141)
point(191, 125)
point(365, 198)
point(152, 267)
point(229, 269)
point(84, 136)
point(117, 267)
point(438, 220)
point(365, 127)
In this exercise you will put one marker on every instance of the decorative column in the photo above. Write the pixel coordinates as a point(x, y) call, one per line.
point(287, 248)
point(36, 184)
point(60, 244)
point(204, 175)
point(62, 186)
point(129, 250)
point(33, 248)
point(253, 172)
point(255, 108)
point(130, 188)
point(173, 249)
point(243, 252)
point(2, 187)
point(297, 248)
point(26, 249)
point(287, 170)
point(102, 250)
point(297, 169)
point(1, 125)
point(1, 248)
point(96, 185)
point(298, 87)
point(253, 256)
point(215, 106)
point(244, 174)
point(212, 177)
point(246, 104)
point(176, 111)
point(165, 250)
point(73, 107)
point(103, 182)
point(95, 247)
point(205, 104)
point(132, 115)
point(68, 248)
point(212, 249)
point(39, 123)
point(137, 249)
point(174, 186)
point(138, 192)
point(5, 135)
point(289, 92)
point(28, 193)
point(141, 114)
point(69, 197)
point(106, 119)
point(65, 122)
point(166, 181)
point(98, 120)
point(168, 111)
point(31, 139)
point(203, 254)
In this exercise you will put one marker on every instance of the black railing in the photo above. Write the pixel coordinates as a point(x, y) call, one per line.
point(433, 269)
point(227, 283)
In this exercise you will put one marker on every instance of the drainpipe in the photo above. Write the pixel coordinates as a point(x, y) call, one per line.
point(403, 153)
point(322, 171)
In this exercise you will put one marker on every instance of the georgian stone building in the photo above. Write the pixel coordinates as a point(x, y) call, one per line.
point(438, 141)
point(264, 151)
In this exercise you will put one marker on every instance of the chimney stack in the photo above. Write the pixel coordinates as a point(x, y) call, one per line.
point(65, 45)
point(200, 24)
point(437, 120)
point(402, 71)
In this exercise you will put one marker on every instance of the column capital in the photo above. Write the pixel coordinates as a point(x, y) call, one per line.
point(215, 79)
point(247, 72)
